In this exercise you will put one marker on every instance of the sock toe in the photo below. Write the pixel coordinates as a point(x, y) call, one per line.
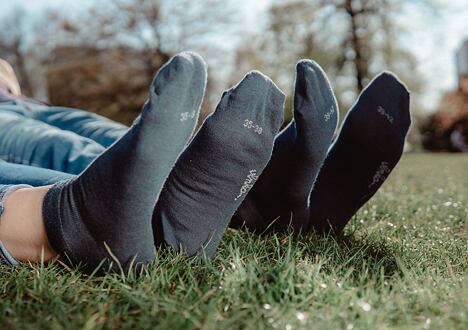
point(177, 87)
point(315, 105)
point(254, 81)
point(179, 69)
point(104, 214)
point(312, 72)
point(218, 168)
point(196, 61)
point(306, 79)
point(312, 86)
point(389, 82)
point(257, 94)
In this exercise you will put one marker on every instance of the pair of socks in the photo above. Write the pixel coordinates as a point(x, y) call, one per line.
point(305, 187)
point(105, 217)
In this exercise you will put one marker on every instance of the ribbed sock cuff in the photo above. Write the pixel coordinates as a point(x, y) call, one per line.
point(52, 218)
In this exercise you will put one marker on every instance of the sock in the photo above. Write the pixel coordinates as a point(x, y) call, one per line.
point(369, 146)
point(281, 195)
point(216, 171)
point(105, 213)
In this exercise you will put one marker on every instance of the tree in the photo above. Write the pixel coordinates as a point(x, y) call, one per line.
point(142, 34)
point(352, 39)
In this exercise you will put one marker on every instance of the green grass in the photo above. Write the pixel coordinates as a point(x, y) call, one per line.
point(402, 265)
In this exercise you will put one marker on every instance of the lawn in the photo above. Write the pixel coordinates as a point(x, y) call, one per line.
point(402, 265)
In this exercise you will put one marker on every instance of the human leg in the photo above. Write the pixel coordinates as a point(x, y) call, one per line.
point(220, 165)
point(280, 196)
point(30, 142)
point(22, 232)
point(90, 125)
point(104, 214)
point(368, 147)
point(13, 174)
point(95, 127)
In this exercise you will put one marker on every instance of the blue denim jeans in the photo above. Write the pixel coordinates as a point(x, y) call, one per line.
point(56, 138)
point(41, 144)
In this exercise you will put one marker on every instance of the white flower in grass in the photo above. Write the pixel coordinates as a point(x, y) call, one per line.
point(301, 316)
point(365, 306)
point(427, 324)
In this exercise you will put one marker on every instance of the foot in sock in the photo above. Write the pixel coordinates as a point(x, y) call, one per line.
point(280, 196)
point(369, 146)
point(215, 172)
point(104, 214)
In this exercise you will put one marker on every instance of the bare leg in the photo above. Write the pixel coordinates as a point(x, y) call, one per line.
point(22, 230)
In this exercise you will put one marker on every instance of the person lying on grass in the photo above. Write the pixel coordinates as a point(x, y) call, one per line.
point(128, 190)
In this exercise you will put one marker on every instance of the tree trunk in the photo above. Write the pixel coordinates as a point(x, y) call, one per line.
point(360, 63)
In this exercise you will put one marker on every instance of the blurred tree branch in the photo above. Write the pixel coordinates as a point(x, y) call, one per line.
point(352, 39)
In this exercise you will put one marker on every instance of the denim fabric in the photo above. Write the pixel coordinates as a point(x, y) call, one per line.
point(86, 124)
point(52, 139)
point(31, 142)
point(5, 190)
point(57, 138)
point(11, 174)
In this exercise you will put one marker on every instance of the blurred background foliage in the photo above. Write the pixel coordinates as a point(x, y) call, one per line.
point(102, 57)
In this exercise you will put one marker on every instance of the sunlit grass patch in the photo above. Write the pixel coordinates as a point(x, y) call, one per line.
point(402, 264)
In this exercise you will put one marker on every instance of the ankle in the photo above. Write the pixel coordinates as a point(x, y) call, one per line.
point(22, 230)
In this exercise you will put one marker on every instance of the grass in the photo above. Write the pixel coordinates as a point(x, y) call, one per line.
point(401, 265)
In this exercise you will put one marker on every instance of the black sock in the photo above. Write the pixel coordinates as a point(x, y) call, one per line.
point(369, 146)
point(216, 171)
point(280, 197)
point(105, 213)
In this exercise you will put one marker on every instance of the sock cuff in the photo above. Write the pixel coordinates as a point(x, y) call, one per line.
point(51, 214)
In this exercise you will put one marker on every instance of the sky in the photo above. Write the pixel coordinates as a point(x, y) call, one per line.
point(432, 36)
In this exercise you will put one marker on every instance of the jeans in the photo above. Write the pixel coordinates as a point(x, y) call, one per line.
point(41, 144)
point(57, 138)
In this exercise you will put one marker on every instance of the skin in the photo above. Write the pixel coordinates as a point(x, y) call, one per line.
point(463, 83)
point(22, 229)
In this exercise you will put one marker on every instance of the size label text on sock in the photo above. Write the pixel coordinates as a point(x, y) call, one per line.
point(329, 114)
point(184, 116)
point(384, 113)
point(248, 183)
point(381, 174)
point(250, 125)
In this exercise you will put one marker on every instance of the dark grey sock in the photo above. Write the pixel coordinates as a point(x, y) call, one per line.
point(369, 146)
point(216, 171)
point(105, 213)
point(280, 196)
